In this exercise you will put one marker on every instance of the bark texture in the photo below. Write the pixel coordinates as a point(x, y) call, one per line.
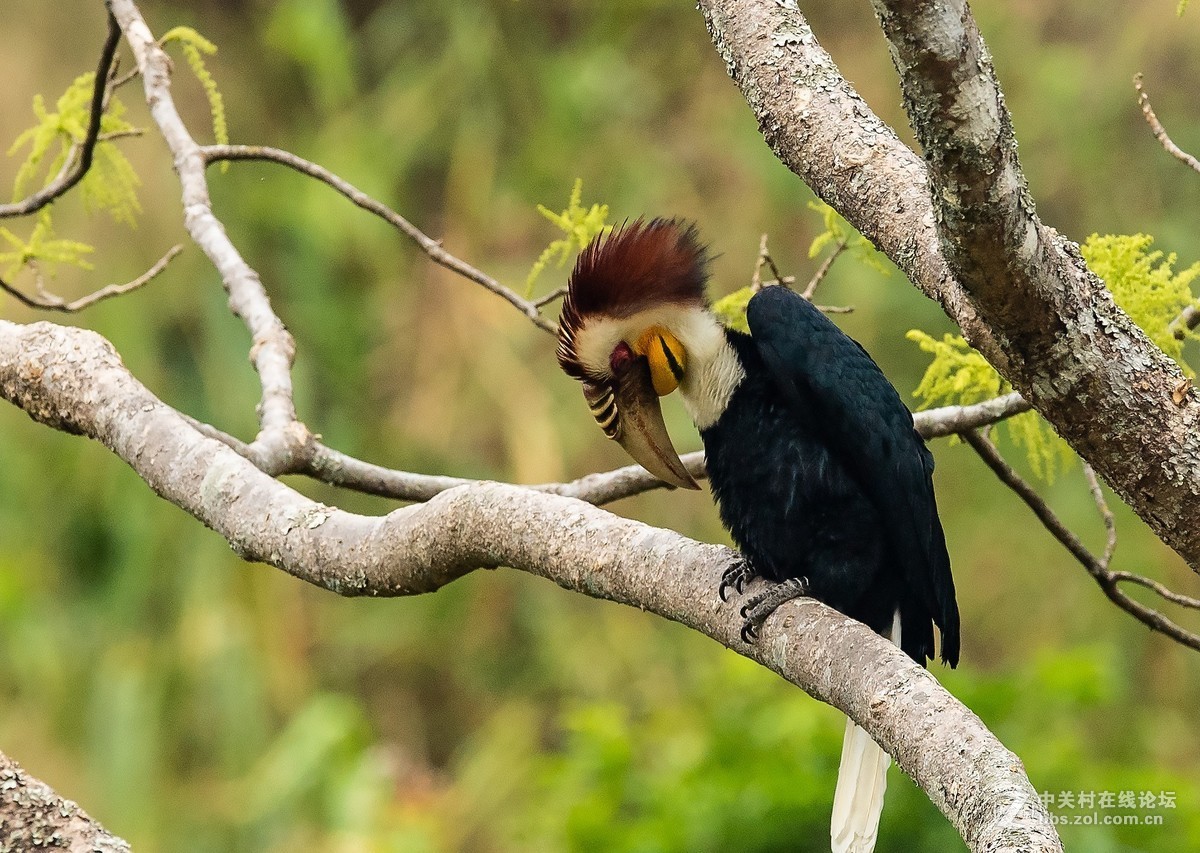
point(33, 817)
point(965, 231)
point(73, 380)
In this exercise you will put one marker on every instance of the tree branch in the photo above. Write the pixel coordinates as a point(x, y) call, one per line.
point(79, 159)
point(965, 233)
point(431, 247)
point(1160, 132)
point(34, 817)
point(1189, 318)
point(1106, 514)
point(1098, 569)
point(952, 420)
point(72, 379)
point(281, 438)
point(339, 469)
point(823, 269)
point(50, 302)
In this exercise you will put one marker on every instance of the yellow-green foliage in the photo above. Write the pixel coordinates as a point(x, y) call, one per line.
point(194, 47)
point(42, 247)
point(839, 232)
point(1144, 285)
point(111, 184)
point(580, 224)
point(959, 375)
point(731, 309)
point(1179, 10)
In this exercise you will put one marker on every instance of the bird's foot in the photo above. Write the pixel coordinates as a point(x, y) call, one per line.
point(737, 574)
point(756, 610)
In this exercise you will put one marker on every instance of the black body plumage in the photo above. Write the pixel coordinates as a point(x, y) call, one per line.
point(820, 475)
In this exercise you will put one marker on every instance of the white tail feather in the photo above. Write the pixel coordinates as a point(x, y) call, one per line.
point(862, 781)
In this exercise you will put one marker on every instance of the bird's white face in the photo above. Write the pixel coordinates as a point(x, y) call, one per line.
point(627, 364)
point(657, 333)
point(635, 327)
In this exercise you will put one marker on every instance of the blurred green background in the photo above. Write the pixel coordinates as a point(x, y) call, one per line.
point(193, 702)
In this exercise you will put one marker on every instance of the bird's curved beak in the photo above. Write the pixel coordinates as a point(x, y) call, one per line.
point(640, 428)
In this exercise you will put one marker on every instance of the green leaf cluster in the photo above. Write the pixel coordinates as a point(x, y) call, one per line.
point(958, 375)
point(579, 224)
point(1144, 284)
point(839, 232)
point(731, 309)
point(111, 184)
point(195, 47)
point(42, 246)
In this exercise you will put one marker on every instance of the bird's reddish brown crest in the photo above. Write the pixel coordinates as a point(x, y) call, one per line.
point(636, 266)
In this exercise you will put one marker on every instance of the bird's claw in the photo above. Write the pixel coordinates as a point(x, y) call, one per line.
point(736, 575)
point(761, 605)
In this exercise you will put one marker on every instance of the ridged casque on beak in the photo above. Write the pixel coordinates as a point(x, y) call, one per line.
point(631, 407)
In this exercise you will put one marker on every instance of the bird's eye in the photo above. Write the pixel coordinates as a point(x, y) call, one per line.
point(620, 357)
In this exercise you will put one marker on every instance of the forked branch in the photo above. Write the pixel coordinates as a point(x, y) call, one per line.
point(50, 302)
point(1097, 567)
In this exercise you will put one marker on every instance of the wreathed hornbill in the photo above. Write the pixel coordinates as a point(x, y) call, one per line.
point(819, 476)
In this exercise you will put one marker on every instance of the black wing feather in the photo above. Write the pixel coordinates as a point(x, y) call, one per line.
point(867, 427)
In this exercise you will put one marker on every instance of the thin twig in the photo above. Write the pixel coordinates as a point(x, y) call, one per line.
point(1188, 318)
point(79, 158)
point(764, 259)
point(823, 270)
point(128, 76)
point(1108, 581)
point(431, 247)
point(1160, 133)
point(756, 276)
point(1168, 594)
point(49, 302)
point(557, 293)
point(121, 134)
point(1110, 522)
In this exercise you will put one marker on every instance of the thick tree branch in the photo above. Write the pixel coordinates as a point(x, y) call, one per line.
point(72, 379)
point(821, 129)
point(964, 231)
point(272, 350)
point(34, 817)
point(79, 159)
